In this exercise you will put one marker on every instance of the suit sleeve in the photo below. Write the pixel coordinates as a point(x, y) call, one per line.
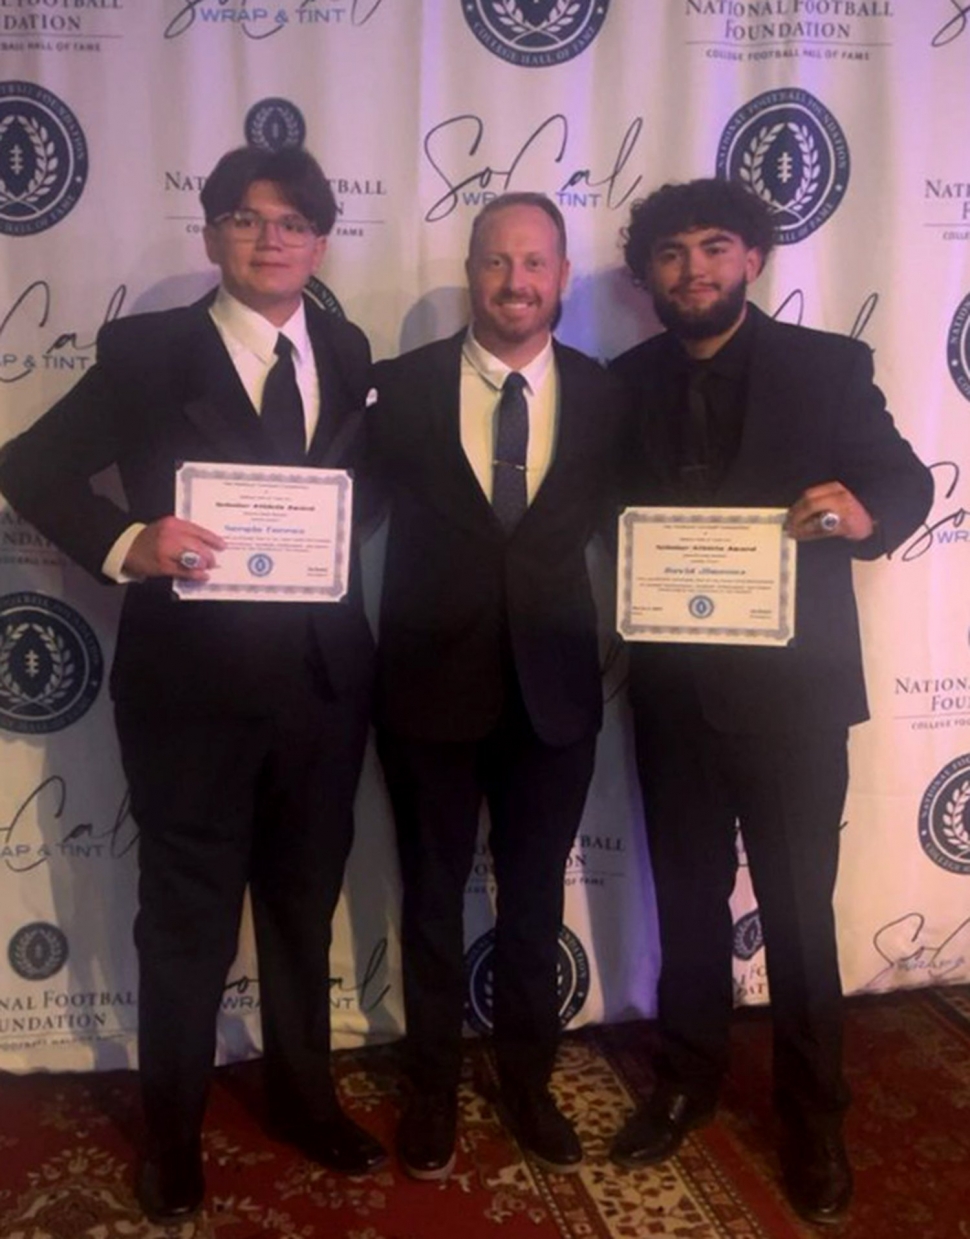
point(877, 464)
point(46, 472)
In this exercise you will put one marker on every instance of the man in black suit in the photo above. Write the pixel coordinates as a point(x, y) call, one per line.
point(242, 724)
point(788, 418)
point(496, 445)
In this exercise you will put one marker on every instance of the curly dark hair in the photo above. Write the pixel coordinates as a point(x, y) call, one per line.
point(293, 170)
point(705, 203)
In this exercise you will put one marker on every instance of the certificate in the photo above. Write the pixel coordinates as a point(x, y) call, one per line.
point(710, 576)
point(286, 530)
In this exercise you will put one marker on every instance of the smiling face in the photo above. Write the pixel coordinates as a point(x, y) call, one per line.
point(261, 271)
point(516, 276)
point(699, 280)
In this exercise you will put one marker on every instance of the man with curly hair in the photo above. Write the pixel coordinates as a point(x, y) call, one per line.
point(733, 409)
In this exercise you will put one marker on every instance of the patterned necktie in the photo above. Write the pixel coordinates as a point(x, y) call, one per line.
point(509, 494)
point(282, 411)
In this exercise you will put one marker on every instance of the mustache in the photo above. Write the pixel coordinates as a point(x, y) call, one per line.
point(685, 286)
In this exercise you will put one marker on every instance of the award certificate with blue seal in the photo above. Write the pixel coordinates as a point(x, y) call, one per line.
point(286, 530)
point(715, 576)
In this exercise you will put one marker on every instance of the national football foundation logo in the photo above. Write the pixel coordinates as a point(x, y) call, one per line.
point(37, 951)
point(50, 664)
point(275, 124)
point(789, 150)
point(43, 159)
point(535, 33)
point(572, 979)
point(958, 348)
point(748, 936)
point(944, 817)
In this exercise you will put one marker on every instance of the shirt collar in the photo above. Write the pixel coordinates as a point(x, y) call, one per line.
point(257, 333)
point(730, 361)
point(495, 372)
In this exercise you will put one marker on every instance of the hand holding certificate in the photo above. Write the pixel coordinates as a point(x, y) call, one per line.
point(712, 576)
point(286, 531)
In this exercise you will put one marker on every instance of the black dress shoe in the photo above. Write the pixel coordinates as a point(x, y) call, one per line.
point(817, 1177)
point(541, 1129)
point(339, 1144)
point(170, 1186)
point(426, 1134)
point(658, 1128)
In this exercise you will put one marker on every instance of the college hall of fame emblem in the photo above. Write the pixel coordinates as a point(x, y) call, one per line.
point(43, 159)
point(572, 979)
point(958, 348)
point(789, 150)
point(274, 125)
point(37, 951)
point(944, 817)
point(748, 938)
point(535, 33)
point(50, 664)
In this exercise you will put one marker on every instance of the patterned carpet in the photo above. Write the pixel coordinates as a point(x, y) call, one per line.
point(66, 1149)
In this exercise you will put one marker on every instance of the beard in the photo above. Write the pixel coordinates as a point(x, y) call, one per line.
point(716, 319)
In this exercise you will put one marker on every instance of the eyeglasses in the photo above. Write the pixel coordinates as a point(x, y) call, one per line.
point(246, 226)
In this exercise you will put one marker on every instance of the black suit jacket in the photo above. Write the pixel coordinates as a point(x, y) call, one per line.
point(813, 414)
point(458, 592)
point(164, 390)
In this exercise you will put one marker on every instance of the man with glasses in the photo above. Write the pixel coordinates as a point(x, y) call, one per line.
point(242, 724)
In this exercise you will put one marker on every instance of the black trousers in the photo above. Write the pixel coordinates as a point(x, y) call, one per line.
point(535, 795)
point(786, 792)
point(222, 803)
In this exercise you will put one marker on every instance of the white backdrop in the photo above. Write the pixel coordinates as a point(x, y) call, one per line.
point(847, 115)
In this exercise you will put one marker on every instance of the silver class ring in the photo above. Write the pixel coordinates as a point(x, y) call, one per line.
point(829, 521)
point(189, 560)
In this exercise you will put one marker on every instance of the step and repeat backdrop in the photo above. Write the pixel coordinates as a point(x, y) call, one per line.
point(847, 116)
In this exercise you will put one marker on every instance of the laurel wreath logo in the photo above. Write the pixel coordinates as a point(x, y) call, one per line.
point(753, 160)
point(34, 954)
point(265, 115)
point(46, 163)
point(60, 682)
point(954, 827)
point(513, 19)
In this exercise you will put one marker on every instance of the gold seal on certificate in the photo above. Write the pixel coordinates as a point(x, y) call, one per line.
point(286, 530)
point(716, 576)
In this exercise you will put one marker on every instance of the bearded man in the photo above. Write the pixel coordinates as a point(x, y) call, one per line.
point(732, 409)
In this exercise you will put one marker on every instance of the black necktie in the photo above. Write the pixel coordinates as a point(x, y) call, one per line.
point(282, 411)
point(695, 454)
point(509, 494)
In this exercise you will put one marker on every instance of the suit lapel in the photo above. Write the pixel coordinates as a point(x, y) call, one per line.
point(216, 402)
point(451, 481)
point(657, 406)
point(332, 435)
point(571, 434)
point(769, 391)
point(577, 435)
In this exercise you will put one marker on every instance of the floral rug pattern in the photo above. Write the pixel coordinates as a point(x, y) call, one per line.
point(67, 1149)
